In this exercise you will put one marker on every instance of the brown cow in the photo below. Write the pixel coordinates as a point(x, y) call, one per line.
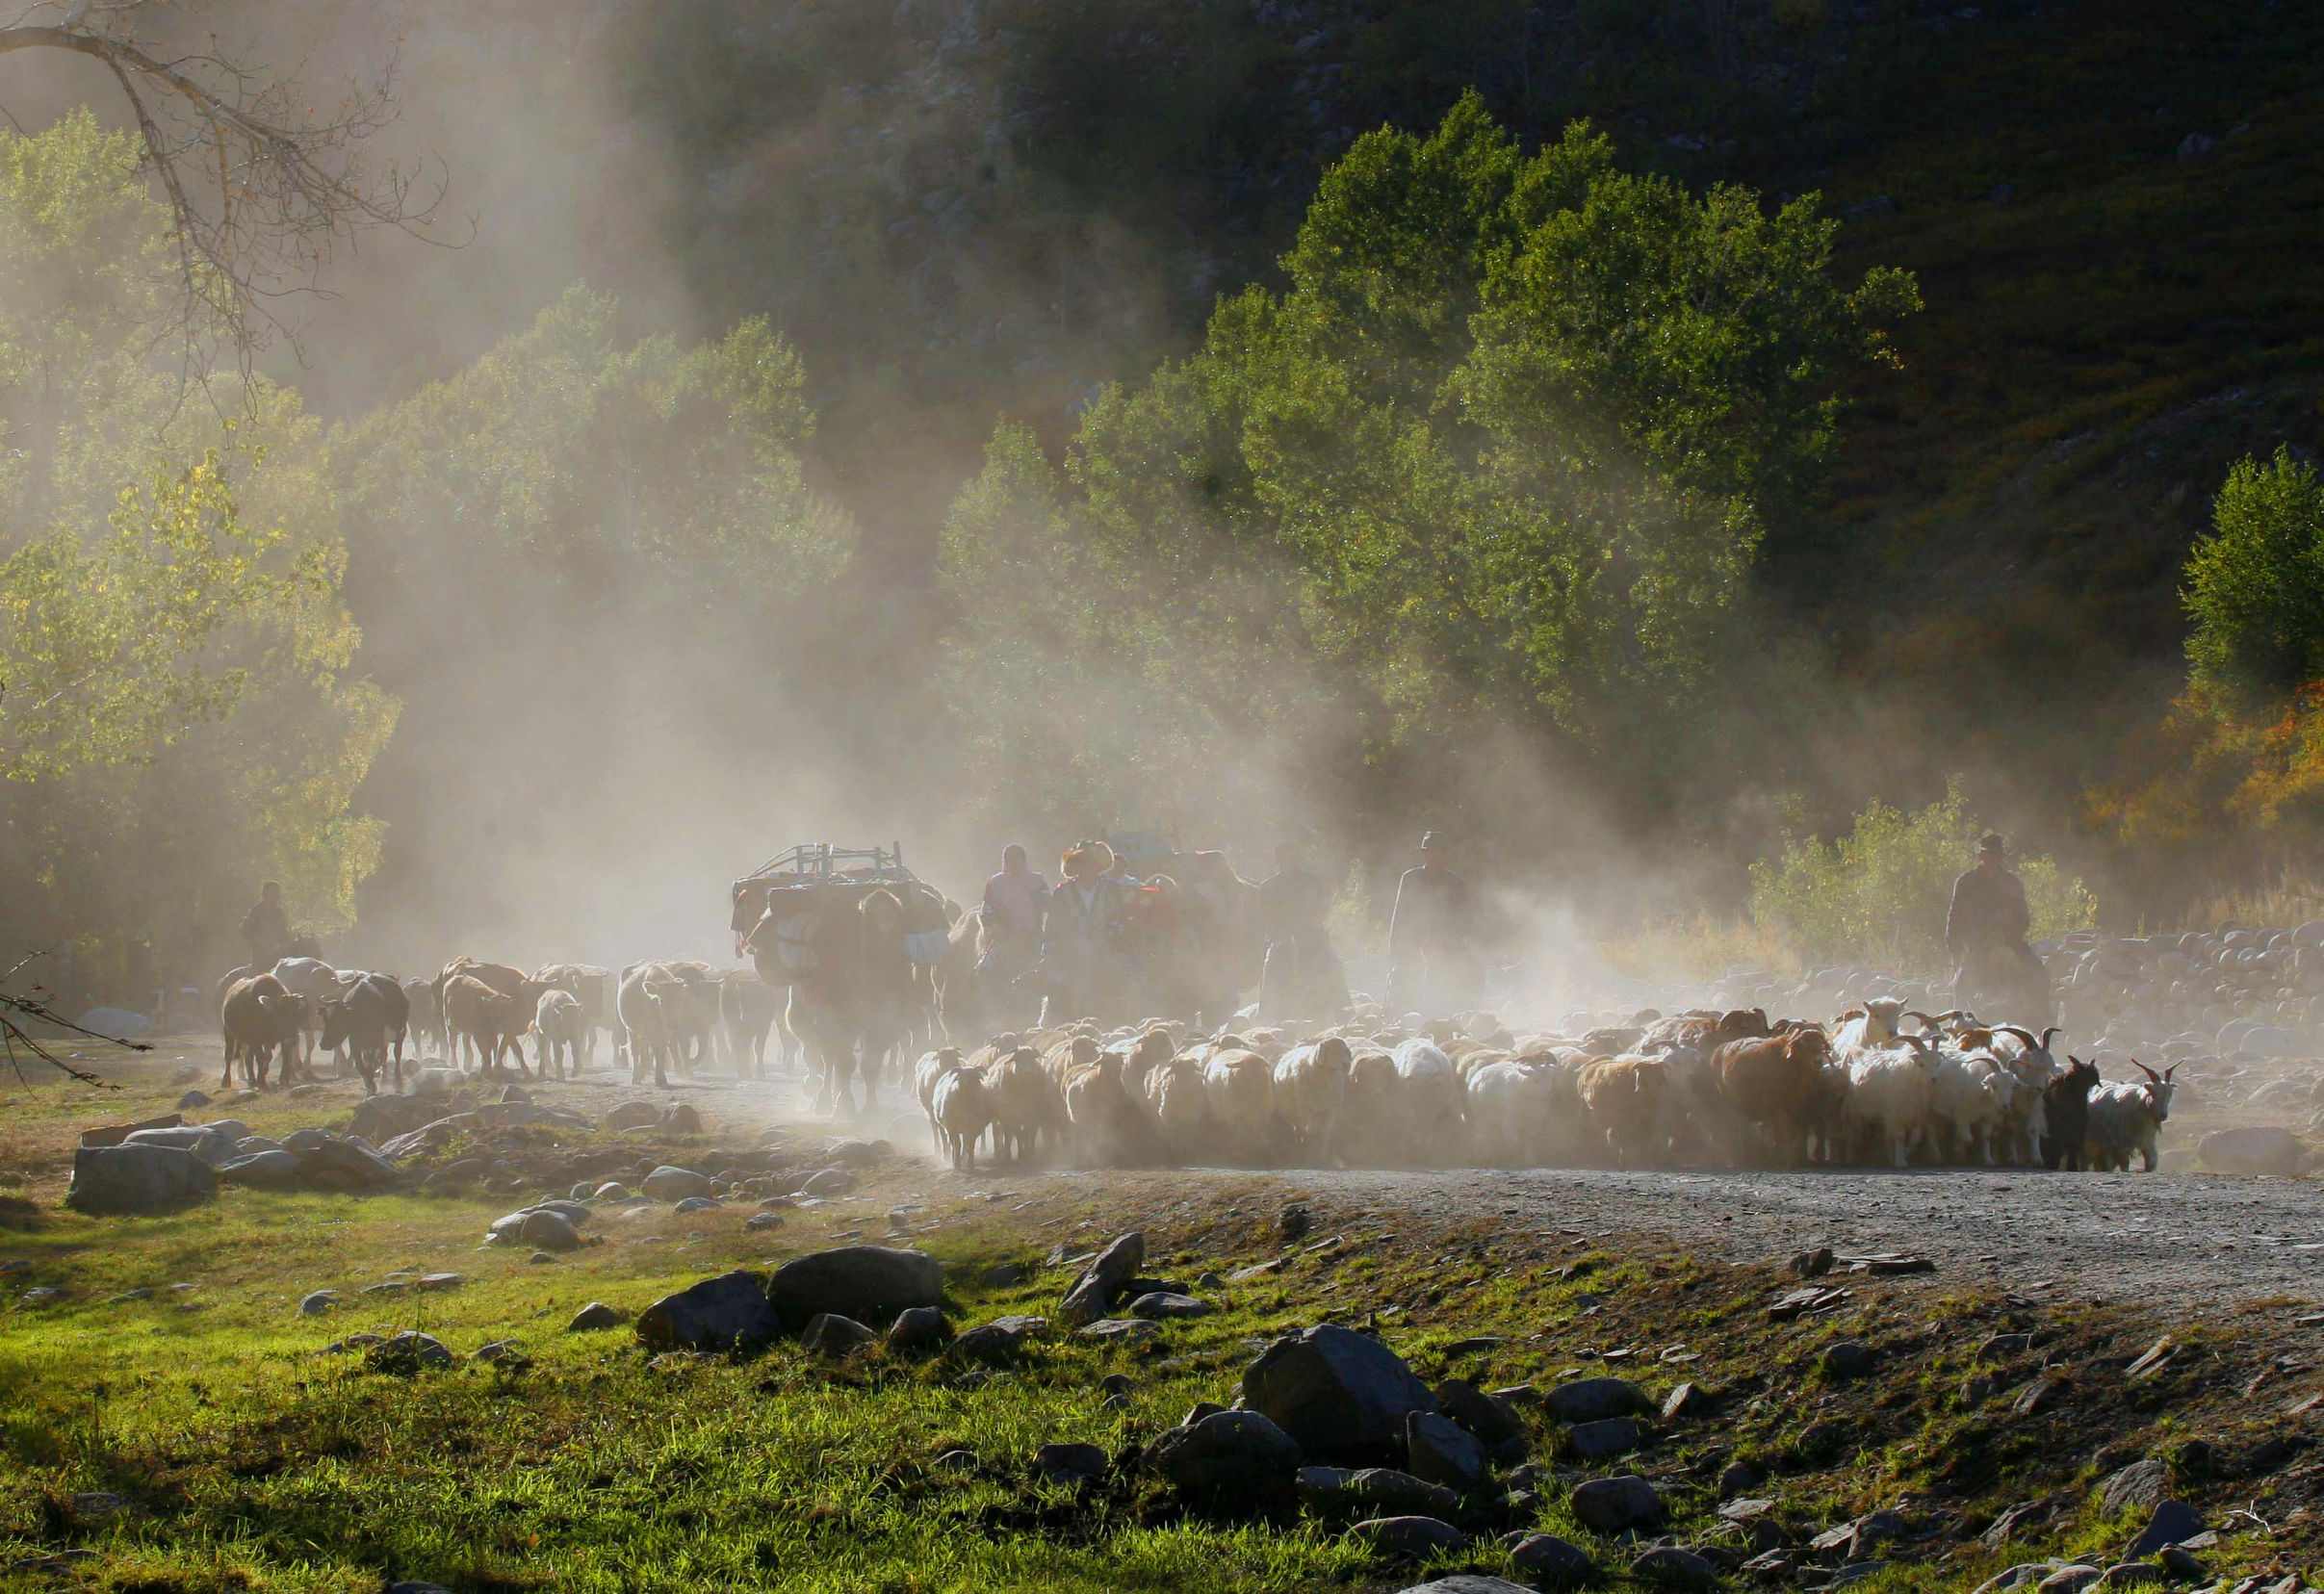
point(259, 1016)
point(492, 1021)
point(500, 977)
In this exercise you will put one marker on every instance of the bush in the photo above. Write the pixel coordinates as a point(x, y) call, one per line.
point(2255, 586)
point(1880, 892)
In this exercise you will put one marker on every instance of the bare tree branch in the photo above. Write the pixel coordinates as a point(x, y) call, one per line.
point(261, 190)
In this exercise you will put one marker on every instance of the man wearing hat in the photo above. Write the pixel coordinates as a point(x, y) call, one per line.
point(1429, 935)
point(266, 929)
point(1015, 902)
point(1985, 928)
point(1084, 930)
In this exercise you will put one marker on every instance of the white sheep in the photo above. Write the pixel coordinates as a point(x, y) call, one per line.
point(1310, 1087)
point(964, 1110)
point(1519, 1109)
point(1435, 1104)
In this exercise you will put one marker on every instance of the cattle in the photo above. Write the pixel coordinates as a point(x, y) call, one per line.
point(426, 1005)
point(259, 1017)
point(491, 1022)
point(371, 1018)
point(593, 987)
point(500, 977)
point(560, 1029)
point(648, 1004)
point(748, 1010)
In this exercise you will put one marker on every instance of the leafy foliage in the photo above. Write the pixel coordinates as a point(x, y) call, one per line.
point(1880, 891)
point(2255, 586)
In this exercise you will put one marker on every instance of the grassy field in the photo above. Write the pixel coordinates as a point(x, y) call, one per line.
point(254, 1456)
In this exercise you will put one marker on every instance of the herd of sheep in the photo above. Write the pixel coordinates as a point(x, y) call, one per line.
point(1880, 1085)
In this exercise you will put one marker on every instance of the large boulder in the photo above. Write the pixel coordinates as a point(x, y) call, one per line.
point(1443, 1451)
point(1102, 1279)
point(138, 1179)
point(633, 1115)
point(726, 1313)
point(268, 1170)
point(675, 1184)
point(208, 1144)
point(381, 1119)
point(828, 1334)
point(113, 1134)
point(542, 1228)
point(2257, 1148)
point(337, 1162)
point(868, 1284)
point(1342, 1396)
point(1230, 1459)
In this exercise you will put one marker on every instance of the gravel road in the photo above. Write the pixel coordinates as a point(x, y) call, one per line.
point(2173, 1240)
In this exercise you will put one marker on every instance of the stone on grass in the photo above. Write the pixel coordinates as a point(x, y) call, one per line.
point(2024, 1575)
point(918, 1329)
point(596, 1315)
point(1162, 1304)
point(1128, 1330)
point(1468, 1583)
point(1684, 1402)
point(633, 1115)
point(1604, 1438)
point(1614, 1504)
point(115, 1134)
point(205, 1142)
point(828, 1334)
point(2069, 1580)
point(2141, 1485)
point(1548, 1561)
point(760, 1222)
point(1237, 1459)
point(408, 1353)
point(131, 1180)
point(417, 1588)
point(2131, 1574)
point(830, 1182)
point(383, 1118)
point(274, 1168)
point(191, 1100)
point(675, 1184)
point(2173, 1522)
point(1000, 1341)
point(1410, 1537)
point(1440, 1450)
point(612, 1190)
point(317, 1303)
point(1670, 1567)
point(1590, 1399)
point(339, 1163)
point(1847, 1360)
point(701, 1203)
point(726, 1313)
point(1494, 1423)
point(1094, 1292)
point(1342, 1396)
point(869, 1283)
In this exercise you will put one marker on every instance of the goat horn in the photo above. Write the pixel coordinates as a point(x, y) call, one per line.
point(2048, 1033)
point(1926, 1023)
point(1918, 1043)
point(2144, 1069)
point(2012, 1029)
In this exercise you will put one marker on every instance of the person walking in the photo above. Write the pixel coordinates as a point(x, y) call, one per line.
point(1015, 904)
point(1430, 934)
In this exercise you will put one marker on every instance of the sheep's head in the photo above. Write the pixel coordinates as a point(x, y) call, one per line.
point(1811, 1045)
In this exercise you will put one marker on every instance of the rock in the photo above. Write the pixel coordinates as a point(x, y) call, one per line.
point(2181, 1563)
point(994, 1343)
point(2130, 1574)
point(1159, 1304)
point(759, 1221)
point(1812, 1264)
point(504, 1354)
point(205, 1142)
point(596, 1315)
point(339, 1163)
point(272, 1170)
point(1070, 1463)
point(675, 1184)
point(1440, 1450)
point(1094, 1292)
point(2253, 1149)
point(1855, 1540)
point(1614, 1504)
point(2172, 1522)
point(1468, 1583)
point(130, 1180)
point(680, 1119)
point(917, 1329)
point(828, 1334)
point(869, 1283)
point(1671, 1567)
point(1382, 1492)
point(1843, 1360)
point(1547, 1562)
point(2024, 1575)
point(2039, 1396)
point(551, 1231)
point(94, 1508)
point(1588, 1400)
point(144, 1292)
point(633, 1115)
point(612, 1190)
point(1131, 1330)
point(1410, 1537)
point(1740, 1479)
point(729, 1312)
point(440, 1281)
point(830, 1182)
point(317, 1303)
point(1823, 1443)
point(417, 1588)
point(2142, 1485)
point(383, 1118)
point(701, 1203)
point(408, 1353)
point(1684, 1402)
point(1604, 1438)
point(540, 1258)
point(2069, 1580)
point(2196, 144)
point(1494, 1423)
point(1342, 1396)
point(113, 1134)
point(191, 1100)
point(1234, 1459)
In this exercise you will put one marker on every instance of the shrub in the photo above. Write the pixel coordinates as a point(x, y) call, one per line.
point(1880, 892)
point(2255, 586)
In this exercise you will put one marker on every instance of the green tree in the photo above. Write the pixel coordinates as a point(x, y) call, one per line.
point(2255, 586)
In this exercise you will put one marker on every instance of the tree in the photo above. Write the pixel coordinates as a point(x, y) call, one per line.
point(2255, 586)
point(261, 187)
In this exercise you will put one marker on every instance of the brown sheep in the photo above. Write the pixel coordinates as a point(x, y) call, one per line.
point(1624, 1096)
point(1777, 1083)
point(1025, 1102)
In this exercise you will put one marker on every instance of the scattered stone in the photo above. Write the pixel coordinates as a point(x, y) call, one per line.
point(1379, 1491)
point(1197, 1411)
point(1814, 1298)
point(1604, 1438)
point(1822, 1442)
point(1671, 1567)
point(1411, 1537)
point(869, 1283)
point(1468, 1583)
point(1342, 1396)
point(1160, 1304)
point(828, 1334)
point(2181, 1563)
point(440, 1281)
point(1132, 1330)
point(2151, 1360)
point(596, 1315)
point(135, 1180)
point(1257, 1269)
point(2142, 1485)
point(144, 1292)
point(115, 1134)
point(2042, 1394)
point(1614, 1504)
point(406, 1352)
point(192, 1099)
point(2172, 1522)
point(633, 1115)
point(538, 1227)
point(1591, 1400)
point(1440, 1450)
point(1230, 1459)
point(2024, 1575)
point(1740, 1479)
point(2130, 1574)
point(97, 1507)
point(1547, 1562)
point(1687, 1401)
point(317, 1303)
point(381, 1119)
point(504, 1354)
point(1094, 1292)
point(1812, 1264)
point(727, 1313)
point(612, 1190)
point(917, 1330)
point(2069, 1580)
point(1845, 1360)
point(760, 1222)
point(538, 1258)
point(830, 1182)
point(673, 1184)
point(1494, 1423)
point(1070, 1463)
point(701, 1203)
point(268, 1167)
